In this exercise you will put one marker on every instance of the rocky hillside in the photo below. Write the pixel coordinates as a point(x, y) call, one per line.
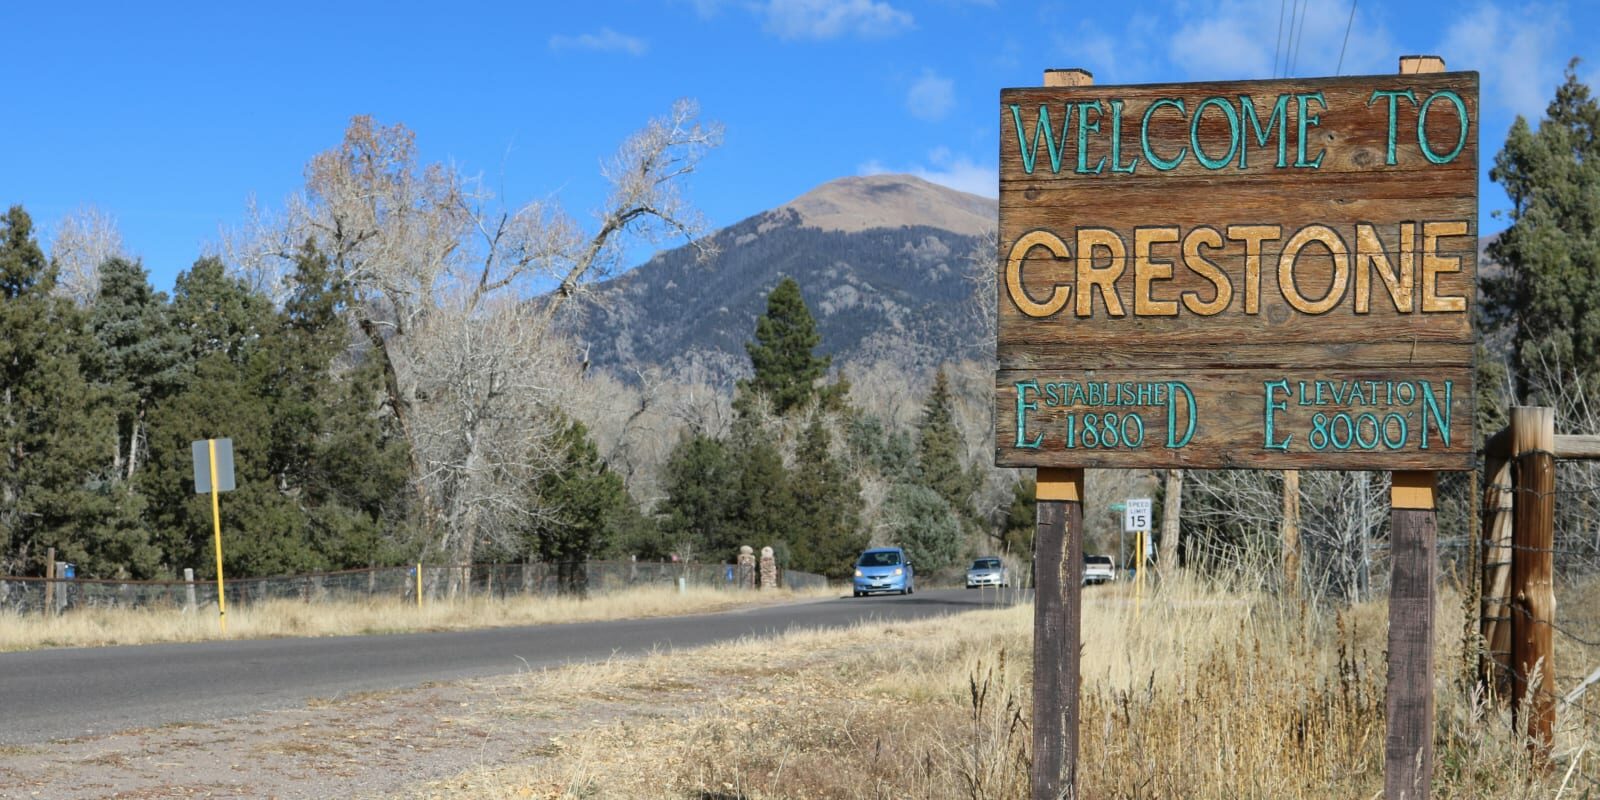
point(885, 262)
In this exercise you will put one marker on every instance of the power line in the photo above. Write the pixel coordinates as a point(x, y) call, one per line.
point(1299, 36)
point(1289, 46)
point(1278, 44)
point(1337, 70)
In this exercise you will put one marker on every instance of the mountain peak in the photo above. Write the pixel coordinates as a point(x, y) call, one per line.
point(863, 202)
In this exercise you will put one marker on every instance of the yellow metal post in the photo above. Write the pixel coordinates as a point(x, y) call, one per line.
point(419, 584)
point(216, 536)
point(1138, 573)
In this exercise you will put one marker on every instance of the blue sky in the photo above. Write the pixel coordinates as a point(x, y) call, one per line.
point(170, 117)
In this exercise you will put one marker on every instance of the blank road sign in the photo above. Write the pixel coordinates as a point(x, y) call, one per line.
point(202, 465)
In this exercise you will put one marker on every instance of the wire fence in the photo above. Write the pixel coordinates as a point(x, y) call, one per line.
point(28, 595)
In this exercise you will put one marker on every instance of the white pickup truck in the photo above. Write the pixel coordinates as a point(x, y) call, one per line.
point(1098, 569)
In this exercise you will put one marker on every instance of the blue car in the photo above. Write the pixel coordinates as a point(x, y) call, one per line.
point(884, 569)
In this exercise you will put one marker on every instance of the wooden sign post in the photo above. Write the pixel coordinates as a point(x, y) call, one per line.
point(1236, 275)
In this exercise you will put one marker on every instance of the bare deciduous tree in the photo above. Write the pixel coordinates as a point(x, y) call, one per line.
point(442, 281)
point(83, 240)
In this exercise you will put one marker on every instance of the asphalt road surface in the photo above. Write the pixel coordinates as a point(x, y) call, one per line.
point(54, 694)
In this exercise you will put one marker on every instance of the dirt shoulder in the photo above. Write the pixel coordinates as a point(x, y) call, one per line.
point(535, 734)
point(440, 740)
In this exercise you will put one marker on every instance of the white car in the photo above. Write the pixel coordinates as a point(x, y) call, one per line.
point(988, 571)
point(1098, 569)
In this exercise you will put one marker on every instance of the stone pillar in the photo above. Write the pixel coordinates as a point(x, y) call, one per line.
point(769, 569)
point(746, 574)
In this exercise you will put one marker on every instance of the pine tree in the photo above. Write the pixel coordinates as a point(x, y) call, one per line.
point(585, 499)
point(761, 506)
point(923, 523)
point(1021, 519)
point(890, 453)
point(786, 370)
point(827, 533)
point(329, 441)
point(1549, 294)
point(939, 448)
point(137, 357)
point(56, 428)
point(698, 479)
point(319, 478)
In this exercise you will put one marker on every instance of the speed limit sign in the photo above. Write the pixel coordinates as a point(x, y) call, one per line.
point(1136, 517)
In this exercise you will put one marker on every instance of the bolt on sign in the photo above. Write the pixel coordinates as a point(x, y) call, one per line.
point(1260, 274)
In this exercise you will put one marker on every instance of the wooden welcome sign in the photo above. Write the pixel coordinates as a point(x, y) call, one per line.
point(1259, 274)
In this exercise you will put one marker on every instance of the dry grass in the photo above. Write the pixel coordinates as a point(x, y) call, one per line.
point(1200, 695)
point(96, 627)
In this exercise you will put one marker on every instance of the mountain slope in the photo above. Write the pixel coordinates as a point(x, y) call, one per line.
point(884, 263)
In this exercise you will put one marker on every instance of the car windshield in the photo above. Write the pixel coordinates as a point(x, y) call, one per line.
point(986, 563)
point(879, 558)
point(1102, 561)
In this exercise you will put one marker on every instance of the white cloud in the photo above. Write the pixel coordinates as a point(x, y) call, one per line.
point(1221, 47)
point(603, 41)
point(931, 97)
point(946, 169)
point(1514, 52)
point(830, 19)
point(1092, 49)
point(1246, 39)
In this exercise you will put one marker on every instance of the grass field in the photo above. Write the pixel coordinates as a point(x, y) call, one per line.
point(1202, 694)
point(96, 627)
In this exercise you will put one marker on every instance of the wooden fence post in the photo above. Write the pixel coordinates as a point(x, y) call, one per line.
point(49, 582)
point(1291, 533)
point(1533, 602)
point(1494, 553)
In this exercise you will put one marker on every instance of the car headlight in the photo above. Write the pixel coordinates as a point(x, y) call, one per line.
point(858, 573)
point(898, 571)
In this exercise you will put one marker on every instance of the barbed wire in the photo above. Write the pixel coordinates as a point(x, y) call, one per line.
point(1513, 489)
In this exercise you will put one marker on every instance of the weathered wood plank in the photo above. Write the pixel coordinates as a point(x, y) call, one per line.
point(1160, 353)
point(1057, 620)
point(1578, 447)
point(1409, 704)
point(1498, 508)
point(1351, 130)
point(1220, 419)
point(1236, 259)
point(1533, 601)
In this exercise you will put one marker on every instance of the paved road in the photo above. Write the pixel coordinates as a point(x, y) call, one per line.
point(52, 694)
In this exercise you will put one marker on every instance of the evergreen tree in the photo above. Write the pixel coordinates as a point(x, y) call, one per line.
point(698, 479)
point(585, 498)
point(924, 524)
point(136, 361)
point(214, 312)
point(56, 428)
point(939, 447)
point(890, 453)
point(319, 478)
point(828, 508)
point(761, 506)
point(786, 370)
point(330, 441)
point(1021, 519)
point(1549, 294)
